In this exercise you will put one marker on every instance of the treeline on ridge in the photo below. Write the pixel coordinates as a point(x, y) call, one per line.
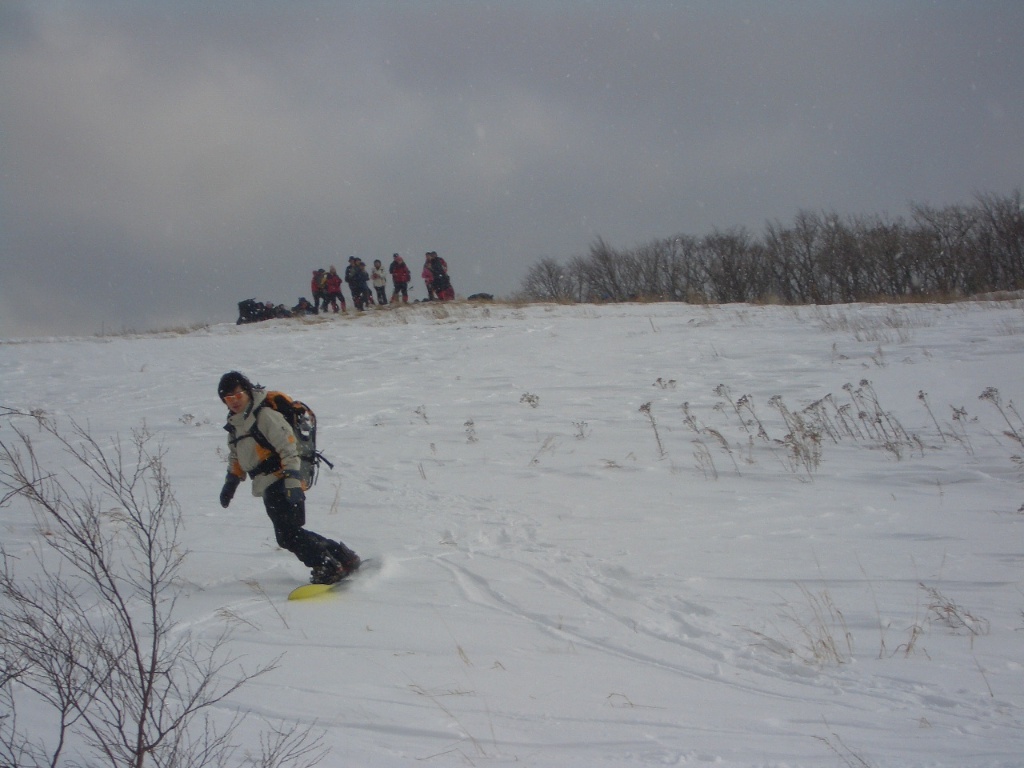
point(821, 258)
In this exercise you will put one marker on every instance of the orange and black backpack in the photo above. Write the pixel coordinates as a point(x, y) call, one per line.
point(302, 420)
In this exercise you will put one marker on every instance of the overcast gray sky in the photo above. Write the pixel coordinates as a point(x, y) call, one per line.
point(162, 160)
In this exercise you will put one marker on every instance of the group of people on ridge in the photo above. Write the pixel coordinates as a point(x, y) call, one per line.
point(326, 284)
point(368, 287)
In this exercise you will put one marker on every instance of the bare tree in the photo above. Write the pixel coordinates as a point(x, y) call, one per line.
point(604, 273)
point(547, 280)
point(795, 253)
point(819, 258)
point(886, 266)
point(92, 635)
point(652, 263)
point(576, 274)
point(945, 265)
point(682, 278)
point(1000, 241)
point(781, 256)
point(844, 277)
point(729, 257)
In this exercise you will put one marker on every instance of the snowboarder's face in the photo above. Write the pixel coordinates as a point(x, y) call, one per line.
point(237, 400)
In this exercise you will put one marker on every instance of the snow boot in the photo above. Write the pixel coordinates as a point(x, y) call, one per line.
point(328, 572)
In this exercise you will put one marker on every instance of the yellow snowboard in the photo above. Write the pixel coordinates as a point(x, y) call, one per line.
point(306, 591)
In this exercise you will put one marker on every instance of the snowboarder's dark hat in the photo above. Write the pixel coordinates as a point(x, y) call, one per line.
point(230, 381)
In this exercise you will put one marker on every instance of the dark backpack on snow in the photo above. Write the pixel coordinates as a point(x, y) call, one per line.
point(250, 311)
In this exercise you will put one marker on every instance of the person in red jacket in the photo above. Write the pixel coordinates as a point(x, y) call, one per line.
point(334, 294)
point(317, 288)
point(400, 277)
point(441, 284)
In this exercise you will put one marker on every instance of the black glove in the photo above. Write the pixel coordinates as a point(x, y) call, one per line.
point(228, 491)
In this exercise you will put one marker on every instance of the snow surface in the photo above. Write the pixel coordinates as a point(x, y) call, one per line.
point(570, 575)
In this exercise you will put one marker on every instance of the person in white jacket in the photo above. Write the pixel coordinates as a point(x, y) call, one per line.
point(379, 277)
point(261, 445)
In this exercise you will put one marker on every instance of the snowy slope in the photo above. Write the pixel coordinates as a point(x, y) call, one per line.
point(589, 554)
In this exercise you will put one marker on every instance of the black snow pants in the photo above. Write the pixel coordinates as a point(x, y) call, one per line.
point(289, 519)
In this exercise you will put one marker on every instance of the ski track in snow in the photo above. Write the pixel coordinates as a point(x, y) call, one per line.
point(564, 582)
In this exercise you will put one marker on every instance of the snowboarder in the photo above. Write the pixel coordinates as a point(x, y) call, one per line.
point(275, 477)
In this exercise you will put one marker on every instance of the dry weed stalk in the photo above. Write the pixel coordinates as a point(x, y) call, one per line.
point(826, 639)
point(826, 636)
point(1014, 432)
point(847, 756)
point(802, 441)
point(701, 453)
point(646, 409)
point(548, 445)
point(705, 462)
point(948, 613)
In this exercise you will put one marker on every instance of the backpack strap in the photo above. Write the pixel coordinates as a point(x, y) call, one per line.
point(272, 463)
point(269, 465)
